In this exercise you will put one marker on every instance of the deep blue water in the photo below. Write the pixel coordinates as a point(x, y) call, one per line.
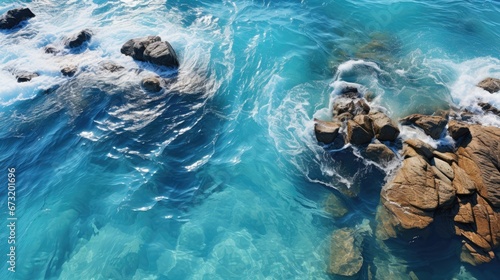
point(220, 176)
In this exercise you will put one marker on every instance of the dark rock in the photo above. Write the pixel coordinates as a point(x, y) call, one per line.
point(487, 107)
point(136, 47)
point(343, 105)
point(326, 132)
point(25, 76)
point(432, 125)
point(356, 134)
point(383, 127)
point(110, 66)
point(361, 103)
point(379, 153)
point(162, 54)
point(69, 70)
point(152, 84)
point(14, 17)
point(491, 85)
point(77, 40)
point(457, 129)
point(365, 122)
point(50, 49)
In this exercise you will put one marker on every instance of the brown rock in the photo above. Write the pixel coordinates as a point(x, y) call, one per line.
point(480, 159)
point(350, 260)
point(457, 129)
point(432, 125)
point(446, 193)
point(343, 105)
point(491, 85)
point(448, 157)
point(326, 132)
point(379, 153)
point(443, 167)
point(365, 122)
point(356, 134)
point(461, 182)
point(420, 147)
point(482, 219)
point(335, 206)
point(384, 128)
point(363, 105)
point(464, 214)
point(474, 255)
point(343, 117)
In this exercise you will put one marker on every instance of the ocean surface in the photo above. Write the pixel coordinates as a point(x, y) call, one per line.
point(220, 175)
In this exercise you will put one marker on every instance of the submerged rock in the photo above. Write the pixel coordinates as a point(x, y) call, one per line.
point(14, 17)
point(345, 258)
point(432, 125)
point(25, 76)
point(110, 66)
point(69, 70)
point(152, 84)
point(379, 153)
point(151, 49)
point(335, 206)
point(491, 85)
point(78, 39)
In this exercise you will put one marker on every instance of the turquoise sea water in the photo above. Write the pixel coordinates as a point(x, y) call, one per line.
point(220, 177)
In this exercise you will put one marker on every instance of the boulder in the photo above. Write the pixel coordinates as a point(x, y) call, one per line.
point(14, 17)
point(326, 132)
point(78, 39)
point(345, 258)
point(457, 129)
point(152, 84)
point(69, 70)
point(162, 54)
point(356, 134)
point(343, 105)
point(110, 66)
point(151, 49)
point(420, 147)
point(136, 47)
point(51, 49)
point(487, 107)
point(379, 153)
point(432, 125)
point(25, 76)
point(384, 128)
point(335, 206)
point(491, 85)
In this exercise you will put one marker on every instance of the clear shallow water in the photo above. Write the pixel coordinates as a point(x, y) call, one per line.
point(220, 177)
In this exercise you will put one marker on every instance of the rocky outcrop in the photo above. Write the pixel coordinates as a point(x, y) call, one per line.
point(328, 133)
point(379, 153)
point(465, 183)
point(346, 248)
point(383, 127)
point(78, 39)
point(491, 85)
point(432, 125)
point(14, 17)
point(69, 70)
point(151, 49)
point(25, 76)
point(487, 107)
point(110, 66)
point(346, 258)
point(152, 84)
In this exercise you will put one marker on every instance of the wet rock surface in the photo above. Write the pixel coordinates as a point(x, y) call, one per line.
point(14, 17)
point(25, 76)
point(491, 85)
point(151, 49)
point(77, 40)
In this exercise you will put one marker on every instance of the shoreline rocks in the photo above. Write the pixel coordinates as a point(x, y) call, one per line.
point(14, 17)
point(78, 39)
point(491, 85)
point(25, 76)
point(151, 49)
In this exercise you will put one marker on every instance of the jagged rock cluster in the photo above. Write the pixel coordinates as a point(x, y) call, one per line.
point(147, 49)
point(356, 123)
point(446, 191)
point(461, 186)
